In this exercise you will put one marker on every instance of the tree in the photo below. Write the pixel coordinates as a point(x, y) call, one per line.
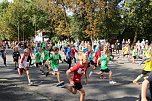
point(137, 16)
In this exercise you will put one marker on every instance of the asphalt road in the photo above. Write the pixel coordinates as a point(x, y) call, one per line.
point(14, 87)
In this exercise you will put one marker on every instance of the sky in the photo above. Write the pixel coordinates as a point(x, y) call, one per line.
point(8, 0)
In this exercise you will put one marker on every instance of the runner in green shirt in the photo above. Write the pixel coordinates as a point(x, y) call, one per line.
point(53, 62)
point(104, 66)
point(43, 45)
point(38, 60)
point(46, 54)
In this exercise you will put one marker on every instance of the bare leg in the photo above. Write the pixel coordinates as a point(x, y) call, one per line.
point(71, 89)
point(28, 75)
point(58, 76)
point(110, 75)
point(82, 94)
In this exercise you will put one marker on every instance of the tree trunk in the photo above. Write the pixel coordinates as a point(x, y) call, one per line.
point(135, 37)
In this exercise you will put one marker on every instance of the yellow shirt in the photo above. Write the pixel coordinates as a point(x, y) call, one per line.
point(148, 65)
point(148, 54)
point(126, 50)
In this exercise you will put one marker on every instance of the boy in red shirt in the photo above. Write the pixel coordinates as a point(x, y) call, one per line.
point(79, 69)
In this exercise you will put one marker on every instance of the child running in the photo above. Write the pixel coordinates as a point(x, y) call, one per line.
point(146, 69)
point(3, 52)
point(134, 54)
point(79, 70)
point(38, 60)
point(104, 66)
point(73, 53)
point(69, 58)
point(91, 62)
point(23, 66)
point(16, 57)
point(53, 62)
point(46, 55)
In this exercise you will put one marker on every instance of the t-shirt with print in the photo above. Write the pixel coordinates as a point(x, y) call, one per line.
point(148, 65)
point(54, 60)
point(78, 70)
point(38, 57)
point(104, 62)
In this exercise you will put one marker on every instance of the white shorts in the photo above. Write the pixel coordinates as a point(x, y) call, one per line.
point(55, 70)
point(23, 66)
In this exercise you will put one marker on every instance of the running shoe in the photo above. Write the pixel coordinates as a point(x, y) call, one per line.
point(103, 77)
point(42, 73)
point(60, 84)
point(30, 84)
point(112, 82)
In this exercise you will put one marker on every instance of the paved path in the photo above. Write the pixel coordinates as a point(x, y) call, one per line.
point(14, 87)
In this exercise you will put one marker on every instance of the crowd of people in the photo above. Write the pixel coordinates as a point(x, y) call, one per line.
point(80, 56)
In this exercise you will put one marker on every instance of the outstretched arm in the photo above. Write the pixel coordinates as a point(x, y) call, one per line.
point(144, 60)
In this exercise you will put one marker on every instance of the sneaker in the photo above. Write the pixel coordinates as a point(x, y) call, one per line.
point(42, 73)
point(103, 77)
point(112, 82)
point(30, 84)
point(47, 73)
point(60, 84)
point(90, 74)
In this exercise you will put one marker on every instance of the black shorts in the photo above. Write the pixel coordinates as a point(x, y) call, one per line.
point(145, 72)
point(29, 58)
point(134, 57)
point(37, 64)
point(91, 62)
point(15, 59)
point(105, 70)
point(44, 61)
point(77, 86)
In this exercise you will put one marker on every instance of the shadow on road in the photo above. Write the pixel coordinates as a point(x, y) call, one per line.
point(122, 99)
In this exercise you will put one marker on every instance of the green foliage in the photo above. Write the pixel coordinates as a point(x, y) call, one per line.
point(90, 19)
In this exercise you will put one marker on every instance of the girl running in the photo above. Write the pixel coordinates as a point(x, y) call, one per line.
point(104, 66)
point(91, 62)
point(23, 66)
point(146, 69)
point(29, 59)
point(134, 54)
